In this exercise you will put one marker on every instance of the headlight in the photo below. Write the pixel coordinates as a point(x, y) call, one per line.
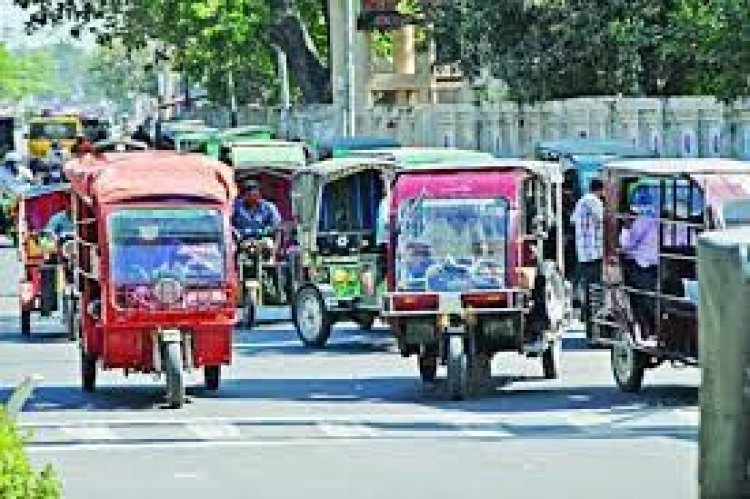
point(340, 276)
point(168, 291)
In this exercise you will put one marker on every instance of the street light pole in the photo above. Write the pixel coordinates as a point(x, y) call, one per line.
point(352, 99)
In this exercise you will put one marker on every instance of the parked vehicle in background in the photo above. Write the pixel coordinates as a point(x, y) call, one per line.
point(645, 310)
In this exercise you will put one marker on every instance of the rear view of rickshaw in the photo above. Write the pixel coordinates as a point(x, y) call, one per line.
point(44, 228)
point(342, 275)
point(266, 268)
point(154, 277)
point(646, 308)
point(466, 276)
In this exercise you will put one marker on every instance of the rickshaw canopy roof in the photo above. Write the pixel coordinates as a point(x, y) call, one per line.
point(121, 177)
point(672, 167)
point(357, 143)
point(543, 169)
point(554, 149)
point(424, 155)
point(247, 132)
point(274, 153)
point(336, 168)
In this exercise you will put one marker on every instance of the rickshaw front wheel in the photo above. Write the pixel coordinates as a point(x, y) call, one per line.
point(457, 368)
point(88, 372)
point(173, 369)
point(365, 322)
point(551, 360)
point(628, 367)
point(25, 323)
point(311, 319)
point(212, 377)
point(428, 368)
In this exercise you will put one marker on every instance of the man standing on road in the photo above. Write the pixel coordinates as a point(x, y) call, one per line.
point(588, 221)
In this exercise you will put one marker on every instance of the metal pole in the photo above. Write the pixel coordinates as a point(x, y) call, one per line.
point(286, 100)
point(232, 99)
point(350, 28)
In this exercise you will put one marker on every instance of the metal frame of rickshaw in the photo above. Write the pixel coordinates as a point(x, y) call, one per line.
point(91, 254)
point(630, 356)
point(333, 308)
point(31, 294)
point(455, 324)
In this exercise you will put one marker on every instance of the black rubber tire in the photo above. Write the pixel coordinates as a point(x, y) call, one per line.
point(366, 322)
point(26, 323)
point(248, 321)
point(212, 377)
point(458, 368)
point(632, 380)
point(172, 361)
point(319, 329)
point(71, 320)
point(88, 372)
point(428, 365)
point(551, 360)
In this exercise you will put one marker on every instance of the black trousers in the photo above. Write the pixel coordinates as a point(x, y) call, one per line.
point(588, 273)
point(643, 306)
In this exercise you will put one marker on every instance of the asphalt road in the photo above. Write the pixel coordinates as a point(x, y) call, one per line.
point(352, 421)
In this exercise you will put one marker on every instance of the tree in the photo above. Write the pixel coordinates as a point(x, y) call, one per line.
point(24, 74)
point(207, 38)
point(549, 49)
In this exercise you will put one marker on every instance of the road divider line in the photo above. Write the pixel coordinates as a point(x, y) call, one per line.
point(90, 433)
point(343, 430)
point(214, 431)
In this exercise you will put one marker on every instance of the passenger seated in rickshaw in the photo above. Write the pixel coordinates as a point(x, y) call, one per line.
point(60, 225)
point(639, 241)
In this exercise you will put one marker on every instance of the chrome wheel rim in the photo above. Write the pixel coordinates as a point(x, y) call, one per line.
point(310, 317)
point(622, 360)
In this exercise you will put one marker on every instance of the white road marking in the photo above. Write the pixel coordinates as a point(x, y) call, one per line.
point(214, 431)
point(338, 430)
point(89, 433)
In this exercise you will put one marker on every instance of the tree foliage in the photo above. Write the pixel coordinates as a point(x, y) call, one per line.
point(208, 39)
point(23, 74)
point(547, 49)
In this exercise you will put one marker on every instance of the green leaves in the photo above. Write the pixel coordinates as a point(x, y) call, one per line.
point(24, 74)
point(18, 480)
point(556, 49)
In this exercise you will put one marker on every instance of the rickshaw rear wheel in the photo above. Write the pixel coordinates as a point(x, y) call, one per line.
point(628, 367)
point(551, 360)
point(428, 365)
point(249, 318)
point(212, 377)
point(311, 319)
point(88, 372)
point(26, 323)
point(365, 322)
point(70, 319)
point(173, 369)
point(458, 367)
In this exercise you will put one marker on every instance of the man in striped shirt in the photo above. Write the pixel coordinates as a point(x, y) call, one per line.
point(588, 222)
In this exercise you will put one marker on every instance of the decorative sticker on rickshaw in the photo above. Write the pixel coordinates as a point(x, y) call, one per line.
point(452, 245)
point(183, 244)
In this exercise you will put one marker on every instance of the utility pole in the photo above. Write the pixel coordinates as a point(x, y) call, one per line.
point(232, 98)
point(285, 92)
point(351, 83)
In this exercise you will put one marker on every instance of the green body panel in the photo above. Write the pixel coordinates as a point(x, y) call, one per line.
point(344, 274)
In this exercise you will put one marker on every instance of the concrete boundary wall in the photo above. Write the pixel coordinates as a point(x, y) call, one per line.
point(676, 126)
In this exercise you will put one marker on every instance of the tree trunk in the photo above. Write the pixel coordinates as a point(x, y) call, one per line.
point(305, 64)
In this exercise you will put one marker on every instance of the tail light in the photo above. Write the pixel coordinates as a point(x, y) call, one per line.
point(484, 300)
point(368, 282)
point(409, 303)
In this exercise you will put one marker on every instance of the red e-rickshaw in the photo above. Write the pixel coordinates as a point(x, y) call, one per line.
point(43, 285)
point(467, 277)
point(154, 276)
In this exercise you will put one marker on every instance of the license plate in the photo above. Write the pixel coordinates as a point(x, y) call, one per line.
point(171, 335)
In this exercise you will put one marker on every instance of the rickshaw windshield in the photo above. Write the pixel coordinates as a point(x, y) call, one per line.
point(149, 244)
point(52, 131)
point(452, 244)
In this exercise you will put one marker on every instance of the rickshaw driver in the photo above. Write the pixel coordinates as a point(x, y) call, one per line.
point(255, 217)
